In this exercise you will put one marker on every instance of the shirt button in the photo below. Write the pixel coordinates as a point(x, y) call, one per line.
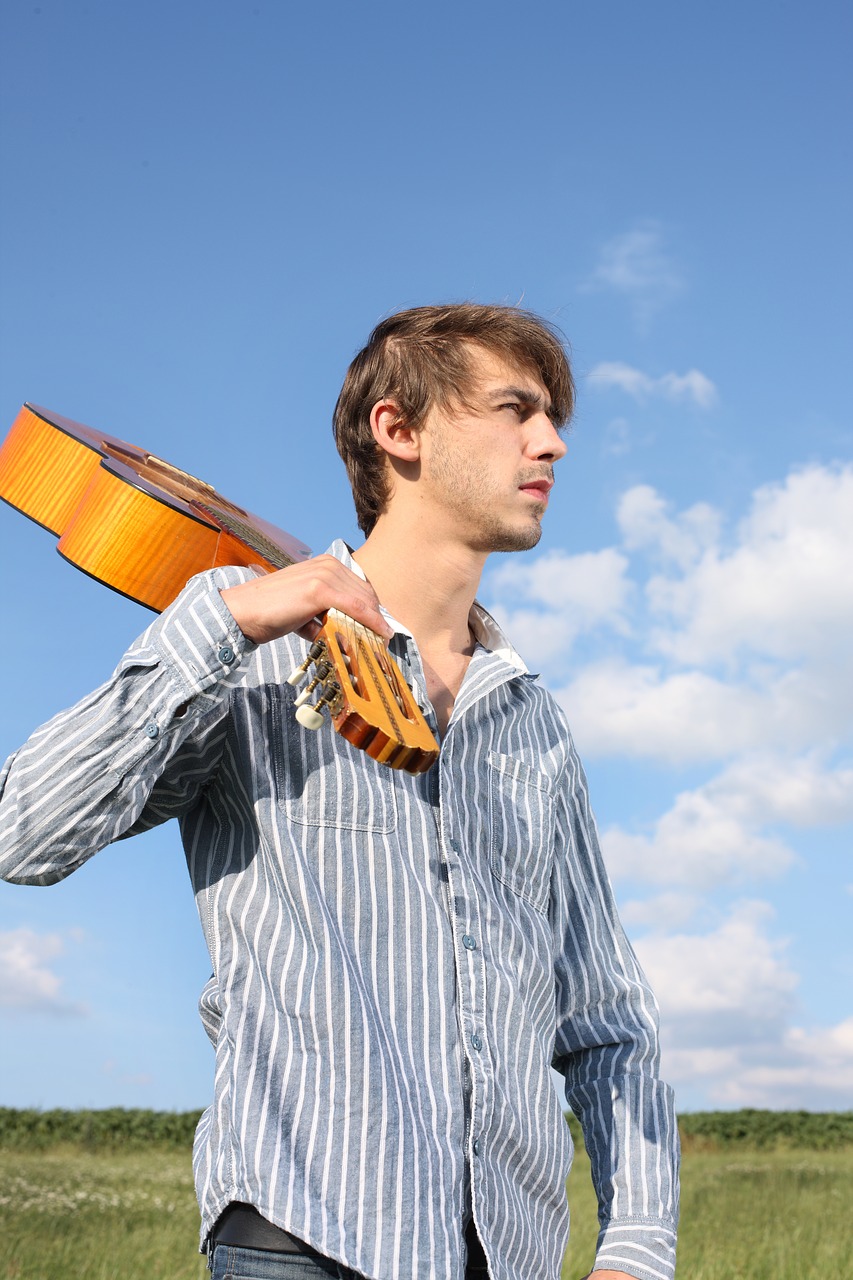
point(469, 942)
point(226, 654)
point(476, 1041)
point(475, 1147)
point(152, 729)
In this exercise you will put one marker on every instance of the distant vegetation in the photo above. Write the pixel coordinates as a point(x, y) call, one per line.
point(108, 1195)
point(806, 1130)
point(116, 1128)
point(106, 1130)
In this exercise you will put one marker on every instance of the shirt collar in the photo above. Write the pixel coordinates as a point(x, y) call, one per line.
point(486, 630)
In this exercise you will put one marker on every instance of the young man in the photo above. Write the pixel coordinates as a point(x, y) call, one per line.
point(397, 960)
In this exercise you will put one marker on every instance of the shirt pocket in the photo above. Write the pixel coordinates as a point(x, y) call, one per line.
point(321, 780)
point(522, 817)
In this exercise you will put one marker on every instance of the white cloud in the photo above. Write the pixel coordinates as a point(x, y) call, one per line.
point(616, 439)
point(616, 708)
point(619, 709)
point(814, 1063)
point(671, 909)
point(785, 590)
point(716, 834)
point(27, 981)
point(734, 977)
point(729, 1019)
point(641, 514)
point(691, 387)
point(728, 1006)
point(701, 842)
point(571, 594)
point(800, 792)
point(746, 636)
point(807, 1068)
point(594, 582)
point(727, 643)
point(637, 266)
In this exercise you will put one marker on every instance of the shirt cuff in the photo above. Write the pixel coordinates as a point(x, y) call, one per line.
point(631, 1135)
point(644, 1248)
point(181, 666)
point(198, 638)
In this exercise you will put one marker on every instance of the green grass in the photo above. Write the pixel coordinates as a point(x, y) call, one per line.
point(781, 1214)
point(72, 1214)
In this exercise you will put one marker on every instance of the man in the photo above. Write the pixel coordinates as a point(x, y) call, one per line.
point(397, 959)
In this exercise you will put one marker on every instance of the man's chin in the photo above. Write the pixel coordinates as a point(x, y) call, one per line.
point(505, 540)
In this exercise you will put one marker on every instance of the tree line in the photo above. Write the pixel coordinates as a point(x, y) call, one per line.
point(116, 1128)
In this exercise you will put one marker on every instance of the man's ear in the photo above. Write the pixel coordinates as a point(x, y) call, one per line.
point(392, 433)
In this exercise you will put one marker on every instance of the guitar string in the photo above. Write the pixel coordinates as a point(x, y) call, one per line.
point(248, 534)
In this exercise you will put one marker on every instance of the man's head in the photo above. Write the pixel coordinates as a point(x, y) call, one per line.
point(424, 358)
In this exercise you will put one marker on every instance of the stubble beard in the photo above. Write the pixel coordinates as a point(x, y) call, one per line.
point(494, 536)
point(485, 531)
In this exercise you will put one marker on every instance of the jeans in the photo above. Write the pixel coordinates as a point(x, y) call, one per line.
point(231, 1263)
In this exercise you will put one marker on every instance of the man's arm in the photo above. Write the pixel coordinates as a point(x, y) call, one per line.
point(138, 750)
point(607, 1049)
point(86, 777)
point(608, 1275)
point(275, 604)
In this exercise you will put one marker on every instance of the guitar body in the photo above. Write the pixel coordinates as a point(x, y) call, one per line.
point(123, 516)
point(144, 528)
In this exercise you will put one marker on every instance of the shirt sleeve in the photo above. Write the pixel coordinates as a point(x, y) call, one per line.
point(607, 1049)
point(136, 751)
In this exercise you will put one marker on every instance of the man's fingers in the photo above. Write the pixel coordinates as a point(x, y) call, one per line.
point(367, 613)
point(291, 599)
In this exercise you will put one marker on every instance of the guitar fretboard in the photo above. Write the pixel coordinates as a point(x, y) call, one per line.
point(247, 533)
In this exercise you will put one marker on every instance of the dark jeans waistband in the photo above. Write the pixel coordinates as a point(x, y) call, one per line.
point(241, 1226)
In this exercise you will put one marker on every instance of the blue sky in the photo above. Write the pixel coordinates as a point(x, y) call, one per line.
point(207, 207)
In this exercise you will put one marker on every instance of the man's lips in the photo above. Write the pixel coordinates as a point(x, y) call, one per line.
point(538, 488)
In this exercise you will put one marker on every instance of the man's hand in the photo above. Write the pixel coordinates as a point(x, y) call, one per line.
point(290, 600)
point(608, 1275)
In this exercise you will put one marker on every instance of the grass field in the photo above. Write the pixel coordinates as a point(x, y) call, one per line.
point(69, 1214)
point(745, 1215)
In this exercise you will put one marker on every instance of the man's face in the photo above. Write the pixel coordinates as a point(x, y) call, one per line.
point(487, 467)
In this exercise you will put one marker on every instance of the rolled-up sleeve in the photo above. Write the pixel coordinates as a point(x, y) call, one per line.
point(134, 752)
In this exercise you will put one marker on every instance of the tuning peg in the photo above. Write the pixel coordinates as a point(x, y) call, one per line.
point(318, 650)
point(321, 671)
point(309, 717)
point(312, 717)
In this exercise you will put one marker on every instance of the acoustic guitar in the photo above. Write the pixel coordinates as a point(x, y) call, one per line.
point(144, 527)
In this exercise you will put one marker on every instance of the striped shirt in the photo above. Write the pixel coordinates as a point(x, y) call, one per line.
point(397, 960)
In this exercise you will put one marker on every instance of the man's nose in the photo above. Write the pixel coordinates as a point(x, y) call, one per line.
point(545, 440)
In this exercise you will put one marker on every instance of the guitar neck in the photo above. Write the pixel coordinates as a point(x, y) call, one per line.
point(144, 527)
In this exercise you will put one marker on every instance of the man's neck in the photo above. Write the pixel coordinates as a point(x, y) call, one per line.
point(427, 583)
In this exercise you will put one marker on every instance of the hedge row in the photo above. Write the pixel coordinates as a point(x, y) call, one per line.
point(813, 1130)
point(119, 1128)
point(97, 1130)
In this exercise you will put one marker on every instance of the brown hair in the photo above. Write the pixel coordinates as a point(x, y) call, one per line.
point(421, 358)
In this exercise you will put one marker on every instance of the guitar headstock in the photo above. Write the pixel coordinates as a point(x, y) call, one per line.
point(355, 678)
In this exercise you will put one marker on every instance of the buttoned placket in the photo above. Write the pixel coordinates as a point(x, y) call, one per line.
point(470, 948)
point(468, 1001)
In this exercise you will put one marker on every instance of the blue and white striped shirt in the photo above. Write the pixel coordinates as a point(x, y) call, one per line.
point(397, 960)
